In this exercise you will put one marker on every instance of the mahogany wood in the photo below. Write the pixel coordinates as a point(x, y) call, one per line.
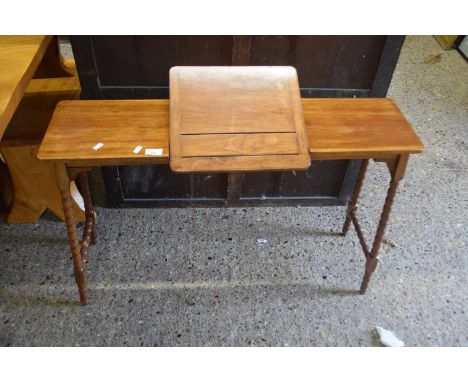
point(357, 129)
point(78, 264)
point(77, 126)
point(125, 124)
point(397, 168)
point(89, 230)
point(352, 206)
point(236, 119)
point(350, 128)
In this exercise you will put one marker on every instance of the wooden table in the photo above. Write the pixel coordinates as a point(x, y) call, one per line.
point(20, 56)
point(98, 133)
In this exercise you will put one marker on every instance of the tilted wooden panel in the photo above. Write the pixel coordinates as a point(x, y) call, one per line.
point(236, 119)
point(208, 145)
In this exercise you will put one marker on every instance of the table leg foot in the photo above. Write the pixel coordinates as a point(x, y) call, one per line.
point(371, 265)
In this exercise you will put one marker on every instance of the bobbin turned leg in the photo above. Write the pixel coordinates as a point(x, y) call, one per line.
point(352, 205)
point(89, 231)
point(63, 183)
point(372, 260)
point(397, 170)
point(93, 229)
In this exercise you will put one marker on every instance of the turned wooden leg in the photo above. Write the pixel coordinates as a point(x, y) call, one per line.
point(372, 260)
point(89, 231)
point(63, 183)
point(397, 169)
point(93, 229)
point(352, 205)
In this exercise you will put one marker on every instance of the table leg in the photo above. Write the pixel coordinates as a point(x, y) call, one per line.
point(352, 205)
point(89, 231)
point(63, 183)
point(397, 170)
point(371, 262)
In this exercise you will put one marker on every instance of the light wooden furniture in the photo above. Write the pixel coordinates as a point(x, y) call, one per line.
point(26, 105)
point(446, 41)
point(337, 129)
point(226, 119)
point(19, 58)
point(362, 129)
point(33, 181)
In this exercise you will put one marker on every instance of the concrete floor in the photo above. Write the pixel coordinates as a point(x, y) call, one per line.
point(197, 277)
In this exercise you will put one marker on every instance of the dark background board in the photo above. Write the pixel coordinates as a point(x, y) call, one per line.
point(119, 67)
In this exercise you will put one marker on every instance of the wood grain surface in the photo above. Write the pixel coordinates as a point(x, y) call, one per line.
point(336, 128)
point(121, 126)
point(34, 183)
point(35, 187)
point(237, 118)
point(19, 58)
point(32, 116)
point(343, 128)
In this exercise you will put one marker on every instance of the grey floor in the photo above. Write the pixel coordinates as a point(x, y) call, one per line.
point(198, 277)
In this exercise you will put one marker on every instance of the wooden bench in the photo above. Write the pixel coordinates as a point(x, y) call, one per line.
point(34, 77)
point(33, 181)
point(100, 133)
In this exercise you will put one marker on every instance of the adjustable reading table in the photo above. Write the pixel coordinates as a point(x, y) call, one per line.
point(226, 119)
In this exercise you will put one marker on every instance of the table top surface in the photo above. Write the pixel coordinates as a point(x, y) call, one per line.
point(357, 128)
point(336, 129)
point(78, 128)
point(19, 59)
point(236, 118)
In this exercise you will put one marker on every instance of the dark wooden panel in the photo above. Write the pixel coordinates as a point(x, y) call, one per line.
point(322, 178)
point(331, 66)
point(133, 61)
point(331, 62)
point(159, 182)
point(119, 67)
